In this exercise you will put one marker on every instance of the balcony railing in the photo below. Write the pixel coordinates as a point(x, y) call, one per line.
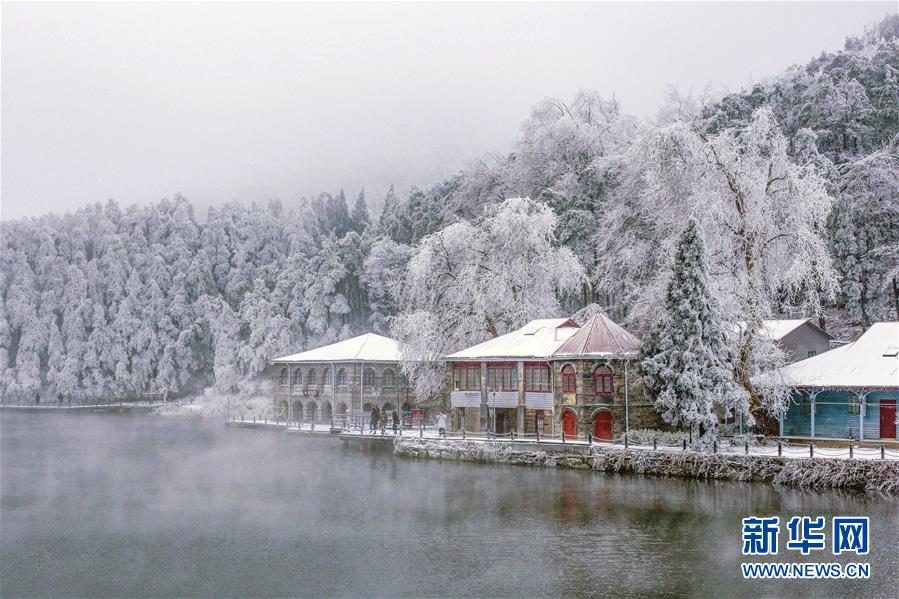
point(465, 399)
point(538, 400)
point(502, 399)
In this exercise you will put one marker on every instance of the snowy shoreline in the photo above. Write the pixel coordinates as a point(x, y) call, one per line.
point(874, 476)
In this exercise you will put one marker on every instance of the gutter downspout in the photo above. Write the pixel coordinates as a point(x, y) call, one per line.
point(626, 406)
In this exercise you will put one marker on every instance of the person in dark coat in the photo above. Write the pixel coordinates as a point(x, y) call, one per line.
point(374, 419)
point(396, 421)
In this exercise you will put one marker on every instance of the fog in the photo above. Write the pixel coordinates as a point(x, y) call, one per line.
point(143, 505)
point(256, 101)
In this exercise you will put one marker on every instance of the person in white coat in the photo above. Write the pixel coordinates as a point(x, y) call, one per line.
point(441, 424)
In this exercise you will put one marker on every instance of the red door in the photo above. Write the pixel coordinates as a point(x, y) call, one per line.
point(887, 418)
point(602, 426)
point(569, 424)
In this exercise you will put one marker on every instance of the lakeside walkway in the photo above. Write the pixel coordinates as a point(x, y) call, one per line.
point(788, 448)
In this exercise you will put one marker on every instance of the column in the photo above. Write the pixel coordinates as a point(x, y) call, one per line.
point(813, 395)
point(519, 367)
point(484, 415)
point(289, 394)
point(861, 414)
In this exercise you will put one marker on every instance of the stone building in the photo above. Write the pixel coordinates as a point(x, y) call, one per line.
point(338, 383)
point(551, 376)
point(596, 384)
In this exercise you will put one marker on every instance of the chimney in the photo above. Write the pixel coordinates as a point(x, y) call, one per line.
point(822, 323)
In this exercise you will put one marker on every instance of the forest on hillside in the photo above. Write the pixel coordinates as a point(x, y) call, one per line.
point(793, 185)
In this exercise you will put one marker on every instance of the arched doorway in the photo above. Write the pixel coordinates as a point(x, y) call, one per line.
point(602, 425)
point(298, 411)
point(312, 411)
point(282, 409)
point(569, 423)
point(326, 411)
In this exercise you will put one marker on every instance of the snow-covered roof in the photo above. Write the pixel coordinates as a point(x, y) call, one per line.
point(778, 329)
point(870, 361)
point(364, 348)
point(600, 337)
point(537, 339)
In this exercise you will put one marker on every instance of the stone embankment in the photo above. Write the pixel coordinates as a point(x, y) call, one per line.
point(864, 475)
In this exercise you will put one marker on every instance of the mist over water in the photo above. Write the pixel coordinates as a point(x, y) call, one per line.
point(137, 505)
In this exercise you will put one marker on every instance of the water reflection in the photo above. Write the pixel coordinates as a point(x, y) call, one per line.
point(145, 506)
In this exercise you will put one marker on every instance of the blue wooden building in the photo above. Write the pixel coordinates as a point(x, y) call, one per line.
point(847, 393)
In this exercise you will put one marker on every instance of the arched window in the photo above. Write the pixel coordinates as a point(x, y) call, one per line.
point(602, 381)
point(388, 378)
point(368, 377)
point(568, 379)
point(341, 378)
point(310, 378)
point(326, 376)
point(283, 377)
point(297, 377)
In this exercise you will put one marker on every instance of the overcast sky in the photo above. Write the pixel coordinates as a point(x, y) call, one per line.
point(254, 101)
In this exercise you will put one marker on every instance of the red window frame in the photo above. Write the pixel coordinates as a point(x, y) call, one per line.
point(503, 373)
point(466, 376)
point(568, 379)
point(536, 377)
point(603, 380)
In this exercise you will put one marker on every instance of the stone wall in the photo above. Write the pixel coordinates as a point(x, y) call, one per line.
point(876, 476)
point(585, 403)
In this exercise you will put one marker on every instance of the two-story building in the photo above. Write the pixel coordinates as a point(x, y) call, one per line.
point(505, 383)
point(338, 383)
point(551, 376)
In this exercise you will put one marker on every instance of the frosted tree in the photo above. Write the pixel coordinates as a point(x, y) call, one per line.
point(866, 224)
point(684, 361)
point(762, 217)
point(470, 281)
point(359, 217)
point(265, 331)
point(383, 266)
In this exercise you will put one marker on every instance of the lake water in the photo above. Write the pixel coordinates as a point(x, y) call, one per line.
point(140, 505)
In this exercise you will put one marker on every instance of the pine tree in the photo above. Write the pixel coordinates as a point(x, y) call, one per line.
point(684, 358)
point(359, 217)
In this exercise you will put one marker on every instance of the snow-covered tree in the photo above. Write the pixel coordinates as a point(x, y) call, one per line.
point(762, 217)
point(471, 281)
point(684, 363)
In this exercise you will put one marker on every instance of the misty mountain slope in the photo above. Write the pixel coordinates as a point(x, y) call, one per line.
point(118, 303)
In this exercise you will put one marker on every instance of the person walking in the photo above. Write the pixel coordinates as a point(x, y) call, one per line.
point(383, 421)
point(441, 424)
point(396, 421)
